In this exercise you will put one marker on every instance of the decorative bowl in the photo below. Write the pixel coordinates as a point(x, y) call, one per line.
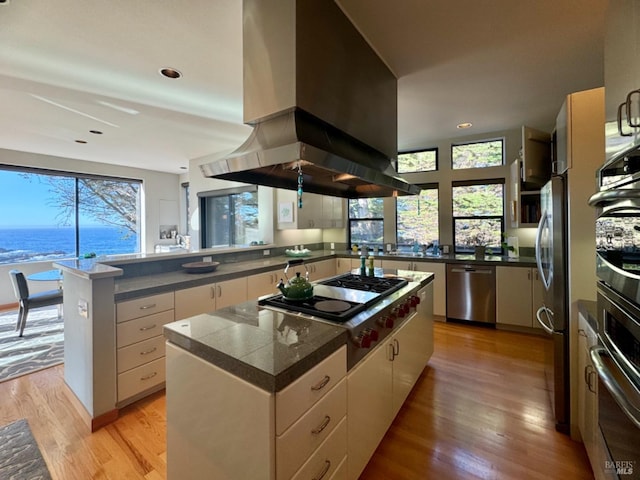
point(297, 253)
point(200, 267)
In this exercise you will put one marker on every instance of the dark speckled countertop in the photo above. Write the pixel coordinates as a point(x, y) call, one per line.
point(266, 348)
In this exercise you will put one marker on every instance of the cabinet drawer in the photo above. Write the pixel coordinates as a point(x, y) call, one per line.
point(341, 471)
point(141, 307)
point(328, 458)
point(138, 353)
point(298, 397)
point(304, 436)
point(142, 328)
point(141, 378)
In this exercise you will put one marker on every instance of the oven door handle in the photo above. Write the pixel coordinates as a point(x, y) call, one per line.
point(547, 328)
point(612, 385)
point(608, 197)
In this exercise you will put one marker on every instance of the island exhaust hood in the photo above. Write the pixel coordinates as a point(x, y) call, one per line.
point(322, 103)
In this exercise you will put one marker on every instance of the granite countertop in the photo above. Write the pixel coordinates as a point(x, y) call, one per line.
point(266, 348)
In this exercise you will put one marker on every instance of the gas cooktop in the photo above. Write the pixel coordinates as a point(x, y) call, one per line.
point(340, 298)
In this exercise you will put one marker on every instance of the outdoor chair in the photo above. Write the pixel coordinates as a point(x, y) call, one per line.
point(27, 302)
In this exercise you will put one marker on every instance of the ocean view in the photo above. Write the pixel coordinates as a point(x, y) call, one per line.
point(52, 243)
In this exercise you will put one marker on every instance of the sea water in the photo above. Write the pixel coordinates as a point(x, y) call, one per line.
point(54, 243)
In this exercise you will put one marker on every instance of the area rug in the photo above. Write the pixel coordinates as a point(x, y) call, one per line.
point(20, 457)
point(41, 346)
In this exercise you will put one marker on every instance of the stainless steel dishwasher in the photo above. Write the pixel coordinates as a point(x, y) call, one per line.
point(471, 293)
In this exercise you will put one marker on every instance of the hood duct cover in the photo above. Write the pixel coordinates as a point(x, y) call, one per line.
point(319, 98)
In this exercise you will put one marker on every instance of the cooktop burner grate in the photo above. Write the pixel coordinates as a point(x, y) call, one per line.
point(382, 285)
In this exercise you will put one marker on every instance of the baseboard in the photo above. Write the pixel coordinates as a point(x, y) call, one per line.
point(93, 423)
point(9, 306)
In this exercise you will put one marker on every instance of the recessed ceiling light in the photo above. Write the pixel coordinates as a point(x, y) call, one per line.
point(95, 132)
point(464, 125)
point(170, 72)
point(81, 141)
point(183, 168)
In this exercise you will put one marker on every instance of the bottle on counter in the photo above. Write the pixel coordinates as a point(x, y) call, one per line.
point(371, 266)
point(363, 265)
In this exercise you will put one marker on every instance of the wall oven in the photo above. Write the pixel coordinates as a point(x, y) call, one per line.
point(617, 361)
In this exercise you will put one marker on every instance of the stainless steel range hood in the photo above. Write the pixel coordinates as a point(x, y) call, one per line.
point(320, 100)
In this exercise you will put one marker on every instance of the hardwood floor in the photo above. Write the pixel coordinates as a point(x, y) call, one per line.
point(480, 410)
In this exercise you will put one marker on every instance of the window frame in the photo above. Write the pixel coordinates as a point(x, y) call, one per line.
point(77, 177)
point(487, 140)
point(433, 149)
point(501, 218)
point(424, 186)
point(360, 219)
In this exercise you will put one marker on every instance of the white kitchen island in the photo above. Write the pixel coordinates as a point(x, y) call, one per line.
point(263, 394)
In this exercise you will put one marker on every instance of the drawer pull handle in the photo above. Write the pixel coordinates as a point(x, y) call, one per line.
point(322, 384)
point(149, 351)
point(144, 329)
point(322, 426)
point(327, 466)
point(147, 307)
point(147, 377)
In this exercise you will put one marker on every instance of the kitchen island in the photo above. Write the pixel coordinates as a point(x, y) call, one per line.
point(265, 394)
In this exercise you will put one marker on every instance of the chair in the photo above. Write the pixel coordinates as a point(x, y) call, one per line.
point(37, 300)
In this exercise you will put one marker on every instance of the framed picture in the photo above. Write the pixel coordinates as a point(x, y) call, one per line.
point(285, 212)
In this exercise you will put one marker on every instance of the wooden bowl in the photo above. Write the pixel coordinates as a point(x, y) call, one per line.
point(200, 267)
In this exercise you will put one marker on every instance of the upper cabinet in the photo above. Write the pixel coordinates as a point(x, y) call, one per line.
point(528, 173)
point(317, 211)
point(622, 76)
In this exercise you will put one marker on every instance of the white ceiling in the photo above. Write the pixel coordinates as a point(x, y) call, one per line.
point(65, 65)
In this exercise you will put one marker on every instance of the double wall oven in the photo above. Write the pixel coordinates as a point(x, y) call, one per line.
point(617, 355)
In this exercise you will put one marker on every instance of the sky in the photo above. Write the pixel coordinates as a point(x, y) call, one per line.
point(36, 212)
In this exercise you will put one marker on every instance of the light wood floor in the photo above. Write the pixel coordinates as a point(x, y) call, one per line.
point(480, 410)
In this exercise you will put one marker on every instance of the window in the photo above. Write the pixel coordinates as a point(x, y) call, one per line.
point(229, 217)
point(366, 225)
point(420, 161)
point(478, 215)
point(52, 215)
point(477, 155)
point(417, 218)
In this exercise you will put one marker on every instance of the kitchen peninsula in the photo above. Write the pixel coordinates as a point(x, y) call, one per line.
point(115, 308)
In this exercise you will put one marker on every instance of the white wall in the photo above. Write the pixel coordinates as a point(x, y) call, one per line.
point(157, 186)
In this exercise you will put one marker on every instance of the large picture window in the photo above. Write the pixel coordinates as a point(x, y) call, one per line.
point(417, 218)
point(229, 217)
point(52, 215)
point(478, 215)
point(366, 223)
point(484, 154)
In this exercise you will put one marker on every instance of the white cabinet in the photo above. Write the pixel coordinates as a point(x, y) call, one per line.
point(210, 297)
point(317, 211)
point(140, 346)
point(263, 284)
point(219, 426)
point(439, 281)
point(321, 269)
point(332, 212)
point(378, 386)
point(518, 296)
point(622, 76)
point(588, 395)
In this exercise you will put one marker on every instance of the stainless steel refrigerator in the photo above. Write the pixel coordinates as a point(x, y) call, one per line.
point(551, 248)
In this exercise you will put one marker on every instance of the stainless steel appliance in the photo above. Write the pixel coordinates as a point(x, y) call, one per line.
point(369, 307)
point(617, 361)
point(551, 238)
point(471, 293)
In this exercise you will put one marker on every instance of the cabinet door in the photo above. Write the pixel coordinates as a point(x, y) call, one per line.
point(587, 392)
point(409, 359)
point(263, 284)
point(513, 296)
point(231, 292)
point(369, 401)
point(439, 285)
point(343, 265)
point(309, 216)
point(537, 296)
point(332, 216)
point(397, 264)
point(195, 300)
point(321, 269)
